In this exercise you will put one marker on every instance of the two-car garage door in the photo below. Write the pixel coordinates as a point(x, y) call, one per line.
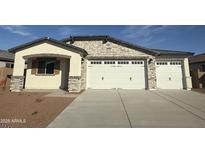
point(108, 74)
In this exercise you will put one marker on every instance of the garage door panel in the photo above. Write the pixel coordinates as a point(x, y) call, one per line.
point(169, 75)
point(125, 76)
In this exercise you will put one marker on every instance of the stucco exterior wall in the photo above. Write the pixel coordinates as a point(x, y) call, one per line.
point(57, 81)
point(186, 74)
point(46, 48)
point(50, 81)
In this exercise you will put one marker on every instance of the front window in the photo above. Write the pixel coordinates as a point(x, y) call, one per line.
point(46, 65)
point(9, 65)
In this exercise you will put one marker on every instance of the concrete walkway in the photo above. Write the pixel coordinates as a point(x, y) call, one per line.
point(134, 108)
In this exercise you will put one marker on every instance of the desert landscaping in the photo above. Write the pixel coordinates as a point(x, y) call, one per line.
point(29, 109)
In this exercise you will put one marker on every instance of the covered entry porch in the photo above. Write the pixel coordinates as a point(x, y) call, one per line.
point(47, 71)
point(47, 64)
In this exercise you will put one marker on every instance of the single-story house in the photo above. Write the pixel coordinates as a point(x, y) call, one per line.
point(97, 62)
point(197, 70)
point(6, 67)
point(6, 59)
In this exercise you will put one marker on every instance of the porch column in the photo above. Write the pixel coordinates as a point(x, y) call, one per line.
point(186, 75)
point(74, 79)
point(17, 79)
point(151, 74)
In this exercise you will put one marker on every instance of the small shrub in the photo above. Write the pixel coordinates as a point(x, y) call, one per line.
point(34, 113)
point(38, 100)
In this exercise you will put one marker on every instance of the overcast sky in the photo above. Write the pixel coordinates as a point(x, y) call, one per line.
point(185, 38)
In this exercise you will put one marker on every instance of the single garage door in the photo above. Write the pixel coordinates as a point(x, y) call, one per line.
point(108, 74)
point(169, 75)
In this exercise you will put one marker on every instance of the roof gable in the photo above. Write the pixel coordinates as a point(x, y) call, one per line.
point(47, 40)
point(107, 38)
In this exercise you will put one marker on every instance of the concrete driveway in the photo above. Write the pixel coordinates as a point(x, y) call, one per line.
point(134, 108)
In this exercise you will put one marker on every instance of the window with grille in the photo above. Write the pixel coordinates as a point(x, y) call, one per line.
point(123, 62)
point(9, 65)
point(46, 65)
point(109, 62)
point(162, 63)
point(175, 63)
point(96, 62)
point(137, 62)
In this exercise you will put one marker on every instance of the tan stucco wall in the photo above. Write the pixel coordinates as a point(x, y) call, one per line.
point(46, 48)
point(187, 77)
point(52, 81)
point(46, 82)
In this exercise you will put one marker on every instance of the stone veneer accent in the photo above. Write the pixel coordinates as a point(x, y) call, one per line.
point(83, 74)
point(151, 74)
point(78, 83)
point(109, 49)
point(17, 83)
point(74, 83)
point(98, 48)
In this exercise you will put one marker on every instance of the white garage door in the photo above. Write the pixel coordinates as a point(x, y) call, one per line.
point(169, 75)
point(108, 74)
